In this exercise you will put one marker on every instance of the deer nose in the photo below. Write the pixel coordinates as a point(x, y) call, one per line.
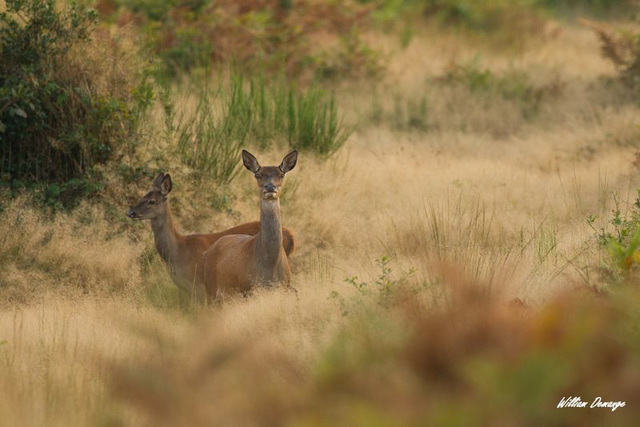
point(270, 188)
point(131, 213)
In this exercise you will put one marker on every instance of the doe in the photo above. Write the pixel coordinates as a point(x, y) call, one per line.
point(236, 263)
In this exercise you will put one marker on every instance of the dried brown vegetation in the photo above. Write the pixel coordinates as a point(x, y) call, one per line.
point(483, 311)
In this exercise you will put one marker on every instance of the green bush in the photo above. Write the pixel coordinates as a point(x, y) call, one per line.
point(620, 237)
point(62, 108)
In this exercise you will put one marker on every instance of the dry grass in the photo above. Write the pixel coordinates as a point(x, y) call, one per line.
point(486, 206)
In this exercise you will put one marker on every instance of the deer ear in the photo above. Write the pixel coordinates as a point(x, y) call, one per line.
point(289, 161)
point(165, 185)
point(250, 161)
point(158, 180)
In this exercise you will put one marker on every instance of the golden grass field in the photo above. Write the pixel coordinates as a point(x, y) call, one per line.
point(483, 207)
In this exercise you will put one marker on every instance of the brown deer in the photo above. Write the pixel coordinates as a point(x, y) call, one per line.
point(236, 263)
point(183, 253)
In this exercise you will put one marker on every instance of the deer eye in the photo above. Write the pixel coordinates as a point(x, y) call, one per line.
point(151, 202)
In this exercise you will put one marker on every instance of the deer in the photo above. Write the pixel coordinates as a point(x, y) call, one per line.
point(183, 254)
point(238, 262)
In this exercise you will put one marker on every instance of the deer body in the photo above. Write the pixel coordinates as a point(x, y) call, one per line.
point(183, 254)
point(236, 263)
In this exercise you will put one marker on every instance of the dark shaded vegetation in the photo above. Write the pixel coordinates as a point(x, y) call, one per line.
point(63, 108)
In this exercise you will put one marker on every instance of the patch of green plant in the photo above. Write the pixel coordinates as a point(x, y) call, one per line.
point(621, 240)
point(132, 174)
point(68, 194)
point(190, 49)
point(313, 122)
point(210, 140)
point(56, 124)
point(221, 202)
point(382, 290)
point(241, 112)
point(153, 9)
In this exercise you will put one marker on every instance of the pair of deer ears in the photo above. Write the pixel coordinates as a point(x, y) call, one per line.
point(251, 163)
point(162, 183)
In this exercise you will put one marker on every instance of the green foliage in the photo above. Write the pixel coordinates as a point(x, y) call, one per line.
point(56, 121)
point(189, 50)
point(254, 112)
point(209, 140)
point(153, 9)
point(66, 195)
point(622, 241)
point(313, 123)
point(382, 290)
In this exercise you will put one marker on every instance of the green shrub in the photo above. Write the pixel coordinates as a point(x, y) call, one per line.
point(621, 240)
point(63, 106)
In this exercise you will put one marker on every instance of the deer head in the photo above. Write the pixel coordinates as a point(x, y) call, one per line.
point(152, 204)
point(270, 178)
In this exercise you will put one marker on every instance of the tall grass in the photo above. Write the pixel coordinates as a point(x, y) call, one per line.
point(210, 141)
point(242, 112)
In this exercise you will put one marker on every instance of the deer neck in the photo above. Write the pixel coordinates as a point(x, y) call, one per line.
point(269, 239)
point(165, 234)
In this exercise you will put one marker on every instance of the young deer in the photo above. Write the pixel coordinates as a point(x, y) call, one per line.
point(183, 253)
point(239, 262)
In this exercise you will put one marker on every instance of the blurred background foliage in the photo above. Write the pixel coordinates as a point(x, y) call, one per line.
point(78, 81)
